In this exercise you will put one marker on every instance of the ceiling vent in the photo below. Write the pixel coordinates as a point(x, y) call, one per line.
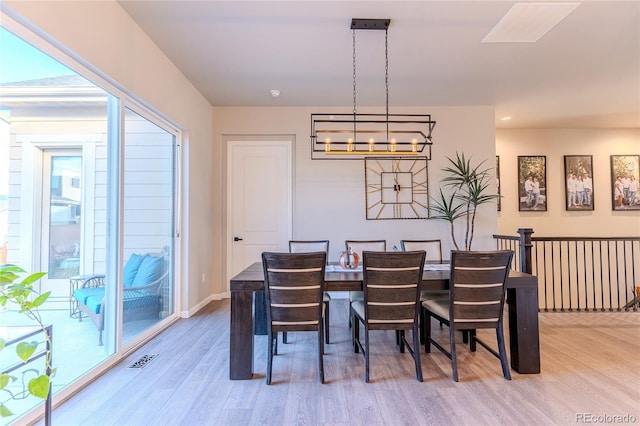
point(528, 22)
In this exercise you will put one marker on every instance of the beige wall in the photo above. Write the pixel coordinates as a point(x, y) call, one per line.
point(103, 35)
point(555, 144)
point(329, 197)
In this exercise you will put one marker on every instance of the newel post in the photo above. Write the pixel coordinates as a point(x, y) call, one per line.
point(525, 249)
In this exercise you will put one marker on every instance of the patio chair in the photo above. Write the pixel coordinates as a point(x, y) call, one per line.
point(143, 277)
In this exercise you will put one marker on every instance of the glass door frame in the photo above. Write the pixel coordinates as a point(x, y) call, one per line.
point(31, 155)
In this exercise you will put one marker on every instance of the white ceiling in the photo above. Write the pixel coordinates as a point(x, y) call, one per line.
point(585, 72)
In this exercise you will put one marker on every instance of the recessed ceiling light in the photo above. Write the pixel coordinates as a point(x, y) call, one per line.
point(528, 22)
point(275, 93)
point(505, 118)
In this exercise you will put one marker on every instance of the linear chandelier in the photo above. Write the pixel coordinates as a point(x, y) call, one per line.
point(349, 135)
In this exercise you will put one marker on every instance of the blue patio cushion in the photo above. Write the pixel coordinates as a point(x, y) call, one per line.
point(149, 271)
point(94, 303)
point(131, 269)
point(82, 294)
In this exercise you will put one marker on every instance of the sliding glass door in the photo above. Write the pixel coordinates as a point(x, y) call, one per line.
point(88, 182)
point(148, 224)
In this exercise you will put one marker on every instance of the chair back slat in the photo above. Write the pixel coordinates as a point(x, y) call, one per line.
point(309, 246)
point(391, 287)
point(359, 246)
point(433, 248)
point(477, 287)
point(294, 283)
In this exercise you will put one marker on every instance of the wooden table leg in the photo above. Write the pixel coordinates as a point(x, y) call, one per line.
point(524, 334)
point(259, 314)
point(241, 336)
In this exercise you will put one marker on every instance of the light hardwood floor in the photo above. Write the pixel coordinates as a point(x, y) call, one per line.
point(590, 367)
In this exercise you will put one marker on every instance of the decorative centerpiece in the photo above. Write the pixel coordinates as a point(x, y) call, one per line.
point(349, 259)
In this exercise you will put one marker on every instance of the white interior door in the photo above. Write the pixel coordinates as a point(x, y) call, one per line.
point(259, 200)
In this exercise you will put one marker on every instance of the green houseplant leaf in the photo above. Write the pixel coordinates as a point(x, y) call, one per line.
point(4, 411)
point(26, 349)
point(17, 287)
point(4, 380)
point(468, 185)
point(39, 386)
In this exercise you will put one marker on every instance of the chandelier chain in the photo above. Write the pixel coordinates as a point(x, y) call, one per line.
point(386, 76)
point(354, 71)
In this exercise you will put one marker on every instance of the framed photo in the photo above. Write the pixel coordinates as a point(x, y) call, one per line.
point(532, 183)
point(578, 172)
point(498, 183)
point(624, 182)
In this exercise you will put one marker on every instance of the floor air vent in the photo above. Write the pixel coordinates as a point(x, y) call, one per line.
point(143, 361)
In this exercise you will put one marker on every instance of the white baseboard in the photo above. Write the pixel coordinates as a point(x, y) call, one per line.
point(205, 302)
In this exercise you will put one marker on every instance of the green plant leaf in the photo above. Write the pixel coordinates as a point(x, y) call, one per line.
point(39, 386)
point(26, 349)
point(41, 299)
point(4, 411)
point(4, 380)
point(30, 279)
point(3, 343)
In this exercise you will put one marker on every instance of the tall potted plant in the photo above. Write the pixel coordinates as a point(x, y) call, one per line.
point(18, 289)
point(465, 187)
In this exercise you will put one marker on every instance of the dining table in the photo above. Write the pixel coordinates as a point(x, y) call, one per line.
point(248, 314)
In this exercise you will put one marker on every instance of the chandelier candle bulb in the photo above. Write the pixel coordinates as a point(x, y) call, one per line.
point(327, 145)
point(371, 142)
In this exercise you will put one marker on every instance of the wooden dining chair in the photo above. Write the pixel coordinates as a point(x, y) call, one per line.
point(476, 301)
point(433, 248)
point(391, 283)
point(358, 246)
point(309, 246)
point(293, 284)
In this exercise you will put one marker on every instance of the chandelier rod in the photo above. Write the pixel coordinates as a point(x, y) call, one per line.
point(386, 75)
point(354, 85)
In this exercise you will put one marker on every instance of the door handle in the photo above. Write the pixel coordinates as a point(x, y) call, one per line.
point(237, 239)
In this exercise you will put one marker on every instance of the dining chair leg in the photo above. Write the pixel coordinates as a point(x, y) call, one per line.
point(284, 337)
point(416, 352)
point(506, 372)
point(355, 333)
point(321, 352)
point(427, 332)
point(366, 352)
point(400, 336)
point(454, 359)
point(472, 340)
point(421, 318)
point(326, 322)
point(275, 344)
point(270, 357)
